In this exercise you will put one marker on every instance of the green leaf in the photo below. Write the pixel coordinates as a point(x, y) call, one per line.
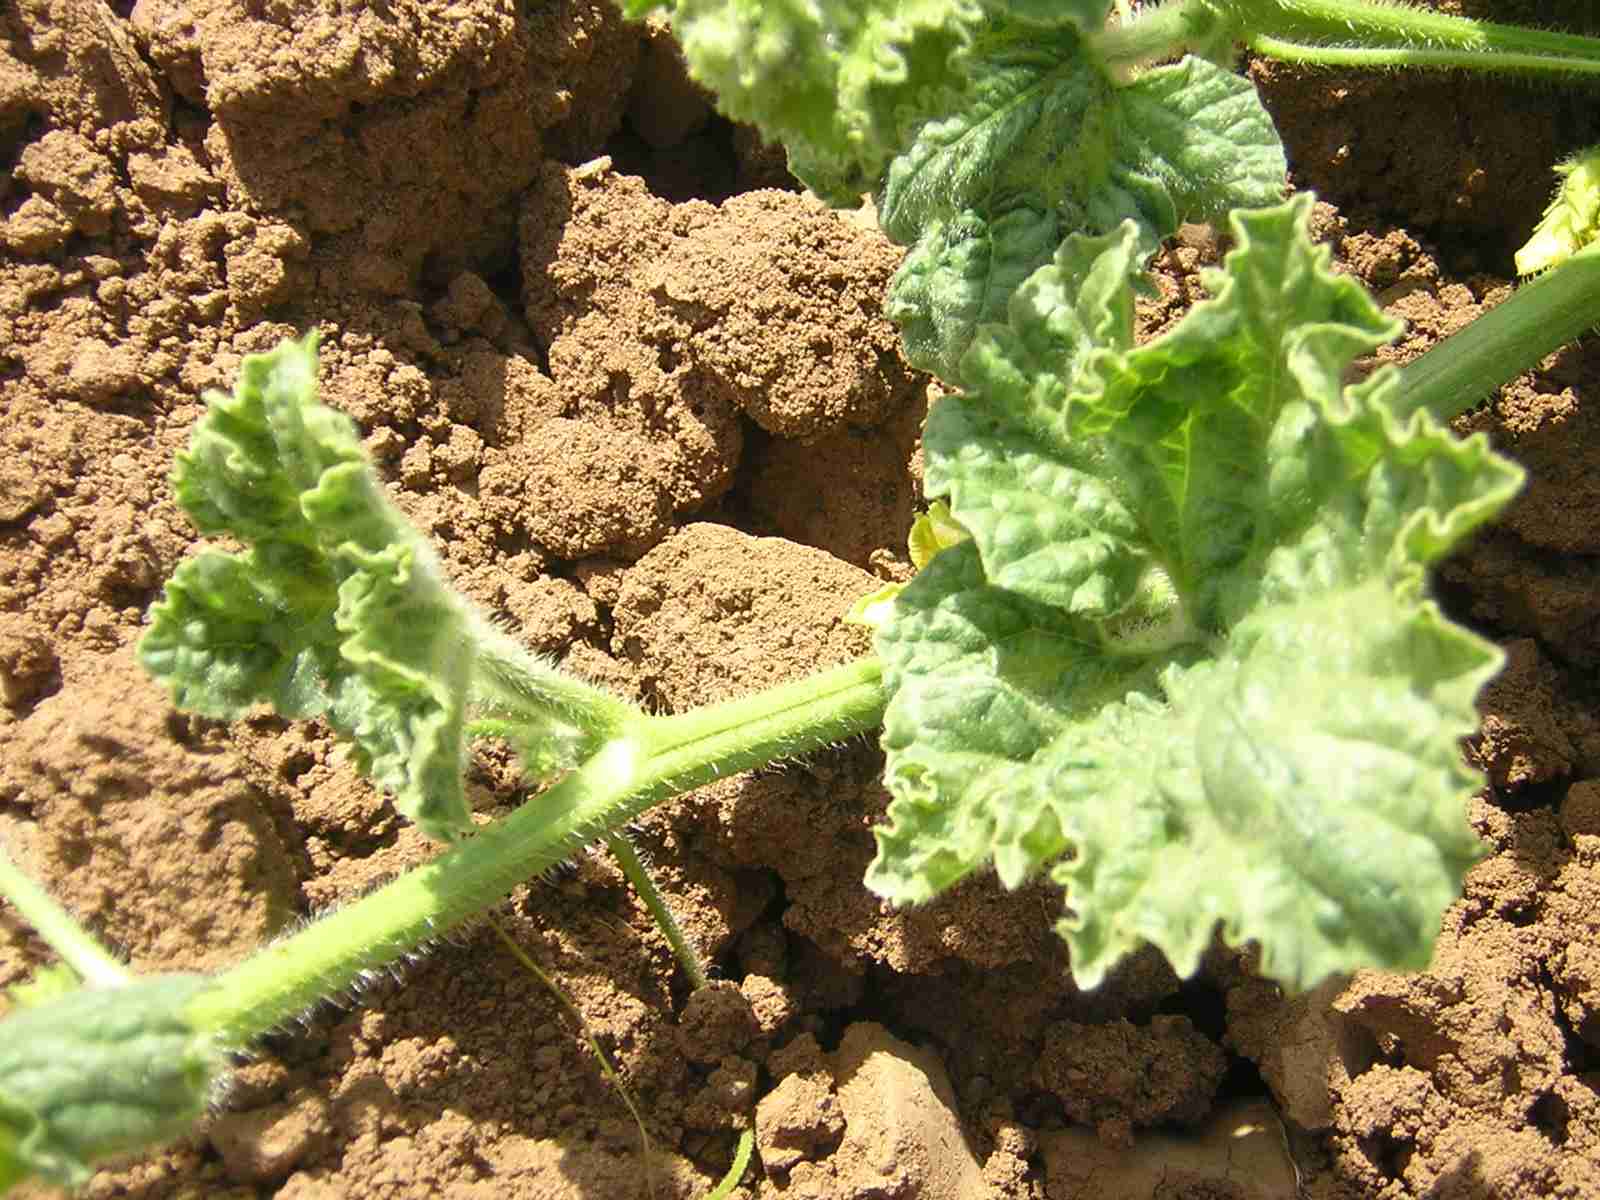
point(1086, 15)
point(1202, 131)
point(338, 608)
point(1049, 525)
point(1305, 791)
point(1046, 143)
point(959, 276)
point(931, 532)
point(99, 1072)
point(47, 983)
point(1572, 219)
point(982, 680)
point(837, 82)
point(1188, 664)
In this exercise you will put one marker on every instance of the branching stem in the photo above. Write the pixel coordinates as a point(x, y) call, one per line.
point(658, 757)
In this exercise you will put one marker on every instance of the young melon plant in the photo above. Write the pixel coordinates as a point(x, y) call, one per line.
point(1171, 643)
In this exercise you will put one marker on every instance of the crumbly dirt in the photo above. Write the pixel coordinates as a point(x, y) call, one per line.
point(640, 391)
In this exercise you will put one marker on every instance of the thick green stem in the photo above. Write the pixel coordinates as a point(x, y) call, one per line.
point(1541, 317)
point(1358, 33)
point(657, 758)
point(95, 965)
point(1381, 58)
point(1346, 33)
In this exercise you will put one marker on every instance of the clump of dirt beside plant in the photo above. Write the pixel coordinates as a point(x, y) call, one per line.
point(669, 440)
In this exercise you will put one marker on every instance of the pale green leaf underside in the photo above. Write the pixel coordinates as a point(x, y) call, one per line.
point(1286, 766)
point(338, 608)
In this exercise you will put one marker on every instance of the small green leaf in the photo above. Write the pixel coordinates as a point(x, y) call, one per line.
point(837, 82)
point(99, 1072)
point(1187, 664)
point(931, 532)
point(338, 608)
point(1572, 220)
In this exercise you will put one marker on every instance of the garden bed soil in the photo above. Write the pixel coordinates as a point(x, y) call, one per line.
point(640, 391)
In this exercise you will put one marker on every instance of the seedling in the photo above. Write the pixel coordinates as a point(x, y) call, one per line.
point(1171, 642)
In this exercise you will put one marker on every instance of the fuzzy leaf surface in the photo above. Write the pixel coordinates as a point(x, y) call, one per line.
point(1044, 143)
point(837, 82)
point(338, 608)
point(1188, 664)
point(100, 1072)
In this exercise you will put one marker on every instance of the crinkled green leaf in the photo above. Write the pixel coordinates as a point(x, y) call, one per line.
point(337, 609)
point(1304, 790)
point(1050, 525)
point(982, 681)
point(1264, 734)
point(99, 1072)
point(837, 82)
point(1044, 138)
point(960, 275)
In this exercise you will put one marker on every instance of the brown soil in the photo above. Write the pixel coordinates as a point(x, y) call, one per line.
point(657, 423)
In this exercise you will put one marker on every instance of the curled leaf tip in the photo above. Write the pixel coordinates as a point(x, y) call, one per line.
point(931, 532)
point(1572, 220)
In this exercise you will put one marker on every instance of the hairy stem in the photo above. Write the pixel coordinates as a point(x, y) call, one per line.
point(1360, 33)
point(1369, 58)
point(627, 857)
point(95, 965)
point(509, 677)
point(1541, 317)
point(658, 757)
point(1154, 34)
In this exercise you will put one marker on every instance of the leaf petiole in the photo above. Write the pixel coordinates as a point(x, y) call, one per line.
point(621, 847)
point(1398, 35)
point(1348, 33)
point(1543, 315)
